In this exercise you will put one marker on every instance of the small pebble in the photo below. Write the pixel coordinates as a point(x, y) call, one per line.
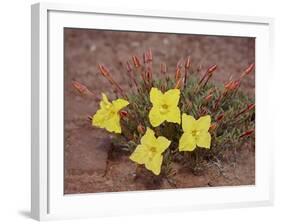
point(93, 47)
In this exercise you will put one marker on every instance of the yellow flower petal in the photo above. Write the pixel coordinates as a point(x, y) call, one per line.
point(165, 106)
point(139, 155)
point(104, 98)
point(195, 133)
point(155, 164)
point(102, 118)
point(148, 138)
point(174, 115)
point(104, 102)
point(204, 140)
point(204, 123)
point(98, 118)
point(111, 124)
point(155, 117)
point(149, 152)
point(188, 123)
point(187, 142)
point(162, 144)
point(156, 96)
point(172, 97)
point(108, 115)
point(119, 104)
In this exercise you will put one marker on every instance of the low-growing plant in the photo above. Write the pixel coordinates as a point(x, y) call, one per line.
point(184, 118)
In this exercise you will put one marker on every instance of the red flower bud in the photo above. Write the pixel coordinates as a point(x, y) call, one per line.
point(212, 68)
point(208, 74)
point(250, 107)
point(136, 61)
point(149, 55)
point(220, 117)
point(187, 63)
point(148, 75)
point(178, 74)
point(179, 83)
point(232, 85)
point(248, 70)
point(123, 113)
point(228, 85)
point(144, 57)
point(141, 129)
point(213, 127)
point(247, 133)
point(81, 88)
point(104, 71)
point(208, 97)
point(129, 67)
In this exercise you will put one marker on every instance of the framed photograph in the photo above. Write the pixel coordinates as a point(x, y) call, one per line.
point(138, 111)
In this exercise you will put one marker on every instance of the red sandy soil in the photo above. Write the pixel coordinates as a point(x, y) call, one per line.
point(86, 147)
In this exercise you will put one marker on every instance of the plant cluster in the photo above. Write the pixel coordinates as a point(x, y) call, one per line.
point(183, 118)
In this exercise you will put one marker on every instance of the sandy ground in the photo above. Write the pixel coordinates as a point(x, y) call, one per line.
point(86, 147)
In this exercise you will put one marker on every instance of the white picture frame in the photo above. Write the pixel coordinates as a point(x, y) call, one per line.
point(48, 201)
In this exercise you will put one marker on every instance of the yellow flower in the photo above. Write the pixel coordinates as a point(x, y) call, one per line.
point(149, 152)
point(108, 115)
point(195, 133)
point(165, 106)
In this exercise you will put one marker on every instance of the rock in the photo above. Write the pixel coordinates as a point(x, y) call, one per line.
point(135, 44)
point(93, 48)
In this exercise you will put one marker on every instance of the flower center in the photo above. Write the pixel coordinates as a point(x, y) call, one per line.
point(152, 152)
point(195, 133)
point(164, 108)
point(110, 112)
point(153, 149)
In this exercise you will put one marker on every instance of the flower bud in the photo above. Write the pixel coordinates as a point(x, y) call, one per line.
point(123, 113)
point(212, 68)
point(247, 109)
point(128, 66)
point(220, 117)
point(187, 63)
point(178, 74)
point(208, 97)
point(179, 83)
point(149, 55)
point(104, 71)
point(250, 107)
point(144, 57)
point(247, 133)
point(141, 129)
point(248, 70)
point(228, 85)
point(232, 85)
point(79, 87)
point(136, 61)
point(82, 89)
point(213, 127)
